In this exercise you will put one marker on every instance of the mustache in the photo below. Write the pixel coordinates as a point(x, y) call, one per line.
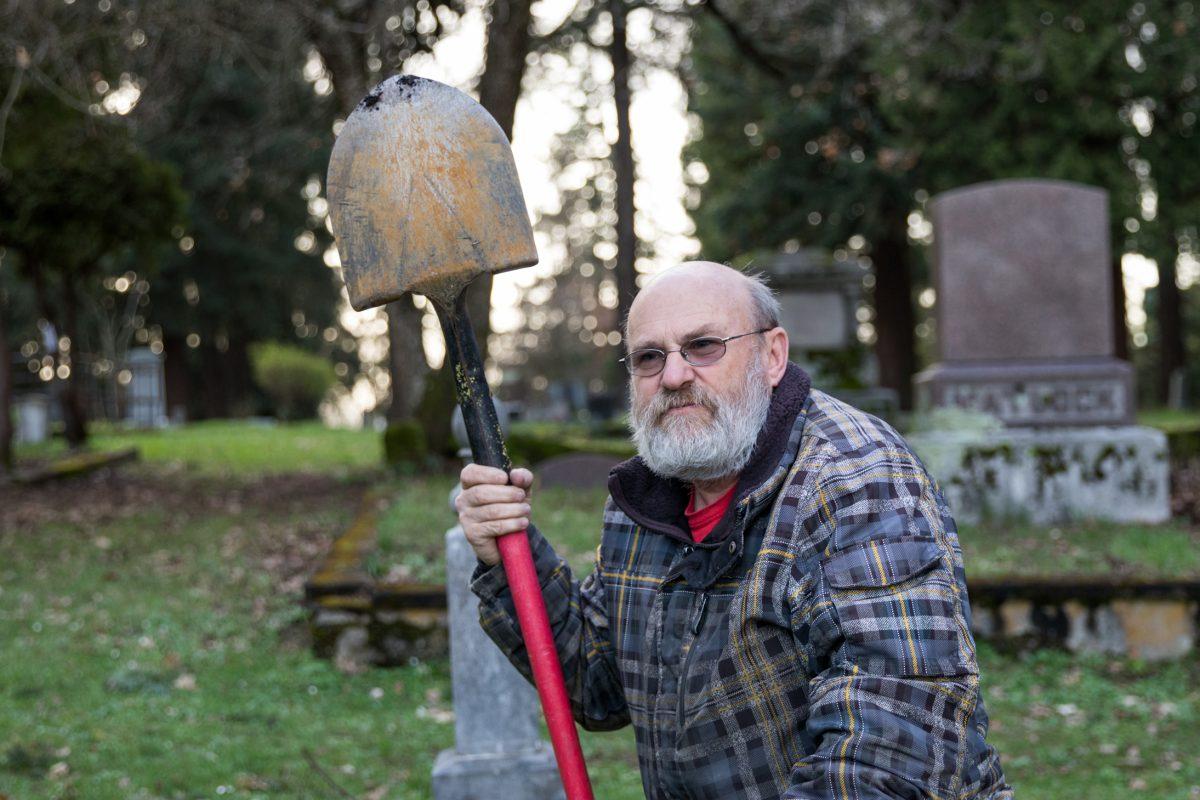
point(667, 399)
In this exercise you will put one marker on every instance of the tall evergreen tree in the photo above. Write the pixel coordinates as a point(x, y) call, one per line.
point(1026, 89)
point(77, 196)
point(1161, 45)
point(250, 137)
point(796, 152)
point(824, 122)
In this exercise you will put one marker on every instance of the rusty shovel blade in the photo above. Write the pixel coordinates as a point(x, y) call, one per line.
point(424, 195)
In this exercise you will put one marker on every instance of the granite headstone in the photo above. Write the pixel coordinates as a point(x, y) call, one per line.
point(145, 396)
point(498, 751)
point(1023, 273)
point(819, 296)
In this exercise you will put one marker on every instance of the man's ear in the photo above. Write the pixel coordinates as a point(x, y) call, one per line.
point(777, 354)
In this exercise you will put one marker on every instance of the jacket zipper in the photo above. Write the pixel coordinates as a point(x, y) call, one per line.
point(687, 661)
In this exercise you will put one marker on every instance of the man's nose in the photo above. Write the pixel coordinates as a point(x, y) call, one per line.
point(677, 372)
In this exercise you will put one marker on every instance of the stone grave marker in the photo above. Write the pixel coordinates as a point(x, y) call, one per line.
point(819, 296)
point(498, 752)
point(33, 418)
point(1023, 273)
point(145, 396)
point(1025, 334)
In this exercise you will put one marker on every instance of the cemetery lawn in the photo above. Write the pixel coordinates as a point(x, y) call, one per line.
point(1170, 419)
point(153, 645)
point(410, 540)
point(234, 447)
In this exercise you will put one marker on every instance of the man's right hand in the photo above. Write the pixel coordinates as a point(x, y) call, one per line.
point(491, 505)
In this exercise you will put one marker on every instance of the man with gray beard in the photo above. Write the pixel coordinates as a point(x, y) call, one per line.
point(778, 605)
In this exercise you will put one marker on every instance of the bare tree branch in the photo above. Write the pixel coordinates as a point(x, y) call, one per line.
point(742, 41)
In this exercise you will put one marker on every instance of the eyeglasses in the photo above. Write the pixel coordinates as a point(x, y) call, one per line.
point(699, 352)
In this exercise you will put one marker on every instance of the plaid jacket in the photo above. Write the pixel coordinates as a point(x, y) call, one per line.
point(815, 645)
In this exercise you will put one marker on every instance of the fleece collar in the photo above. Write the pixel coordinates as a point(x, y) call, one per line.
point(658, 503)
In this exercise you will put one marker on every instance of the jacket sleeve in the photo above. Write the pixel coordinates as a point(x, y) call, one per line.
point(883, 619)
point(579, 622)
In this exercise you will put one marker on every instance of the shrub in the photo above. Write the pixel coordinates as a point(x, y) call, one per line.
point(530, 443)
point(435, 410)
point(404, 444)
point(294, 379)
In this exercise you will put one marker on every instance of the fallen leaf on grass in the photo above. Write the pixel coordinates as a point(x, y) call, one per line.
point(439, 715)
point(253, 783)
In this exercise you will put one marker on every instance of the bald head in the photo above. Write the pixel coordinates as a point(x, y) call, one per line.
point(706, 351)
point(740, 299)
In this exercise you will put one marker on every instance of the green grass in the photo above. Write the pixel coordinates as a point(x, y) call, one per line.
point(153, 647)
point(1170, 419)
point(1069, 726)
point(1093, 549)
point(411, 528)
point(237, 447)
point(411, 544)
point(411, 532)
point(108, 624)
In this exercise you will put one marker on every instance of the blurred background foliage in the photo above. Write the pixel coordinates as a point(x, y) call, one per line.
point(162, 171)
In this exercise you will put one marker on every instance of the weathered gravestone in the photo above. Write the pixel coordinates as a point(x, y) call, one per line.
point(1023, 273)
point(498, 752)
point(1025, 333)
point(145, 395)
point(819, 297)
point(33, 418)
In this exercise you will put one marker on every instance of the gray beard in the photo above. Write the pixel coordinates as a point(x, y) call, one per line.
point(693, 450)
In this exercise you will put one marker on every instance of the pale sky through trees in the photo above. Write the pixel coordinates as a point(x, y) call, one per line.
point(660, 129)
point(659, 124)
point(659, 132)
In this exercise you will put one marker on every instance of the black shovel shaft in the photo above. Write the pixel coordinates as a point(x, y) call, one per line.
point(474, 397)
point(487, 447)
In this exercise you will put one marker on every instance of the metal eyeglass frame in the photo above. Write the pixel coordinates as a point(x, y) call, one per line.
point(682, 350)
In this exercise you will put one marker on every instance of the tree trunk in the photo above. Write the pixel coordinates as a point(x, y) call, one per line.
point(406, 358)
point(624, 176)
point(6, 421)
point(504, 66)
point(1120, 326)
point(74, 413)
point(895, 321)
point(499, 90)
point(622, 160)
point(236, 377)
point(1170, 319)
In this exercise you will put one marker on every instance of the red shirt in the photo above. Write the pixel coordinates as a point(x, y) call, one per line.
point(703, 521)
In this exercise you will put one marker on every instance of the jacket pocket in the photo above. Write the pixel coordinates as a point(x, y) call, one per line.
point(898, 608)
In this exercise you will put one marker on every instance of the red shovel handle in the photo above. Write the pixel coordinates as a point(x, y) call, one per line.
point(487, 448)
point(543, 658)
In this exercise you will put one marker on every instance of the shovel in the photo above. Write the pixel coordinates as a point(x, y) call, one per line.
point(424, 197)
